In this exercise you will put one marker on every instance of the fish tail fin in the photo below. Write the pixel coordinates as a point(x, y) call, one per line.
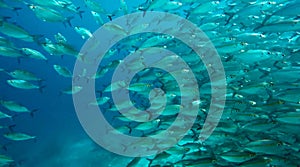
point(13, 117)
point(68, 20)
point(275, 65)
point(263, 22)
point(87, 79)
point(150, 161)
point(34, 139)
point(229, 18)
point(109, 17)
point(19, 60)
point(80, 12)
point(268, 16)
point(270, 94)
point(130, 129)
point(41, 88)
point(100, 92)
point(4, 147)
point(265, 73)
point(3, 70)
point(258, 27)
point(4, 18)
point(16, 9)
point(32, 112)
point(37, 38)
point(113, 118)
point(10, 127)
point(187, 13)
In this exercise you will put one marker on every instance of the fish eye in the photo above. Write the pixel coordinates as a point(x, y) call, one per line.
point(269, 53)
point(279, 144)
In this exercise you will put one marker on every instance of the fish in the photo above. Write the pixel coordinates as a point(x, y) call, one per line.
point(259, 125)
point(289, 95)
point(5, 160)
point(66, 49)
point(10, 52)
point(177, 150)
point(24, 75)
point(257, 42)
point(134, 162)
point(95, 6)
point(85, 33)
point(147, 125)
point(52, 3)
point(97, 17)
point(31, 53)
point(171, 5)
point(70, 7)
point(72, 90)
point(139, 87)
point(14, 106)
point(237, 156)
point(266, 146)
point(124, 7)
point(17, 136)
point(16, 31)
point(279, 26)
point(4, 5)
point(5, 42)
point(22, 84)
point(100, 73)
point(63, 71)
point(100, 101)
point(115, 86)
point(115, 28)
point(49, 15)
point(51, 48)
point(60, 39)
point(259, 162)
point(289, 118)
point(205, 7)
point(288, 10)
point(3, 115)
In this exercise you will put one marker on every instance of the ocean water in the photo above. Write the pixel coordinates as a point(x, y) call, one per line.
point(258, 44)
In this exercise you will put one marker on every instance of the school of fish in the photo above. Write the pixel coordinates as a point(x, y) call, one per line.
point(258, 42)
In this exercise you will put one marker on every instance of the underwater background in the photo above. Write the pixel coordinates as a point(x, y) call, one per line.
point(257, 41)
